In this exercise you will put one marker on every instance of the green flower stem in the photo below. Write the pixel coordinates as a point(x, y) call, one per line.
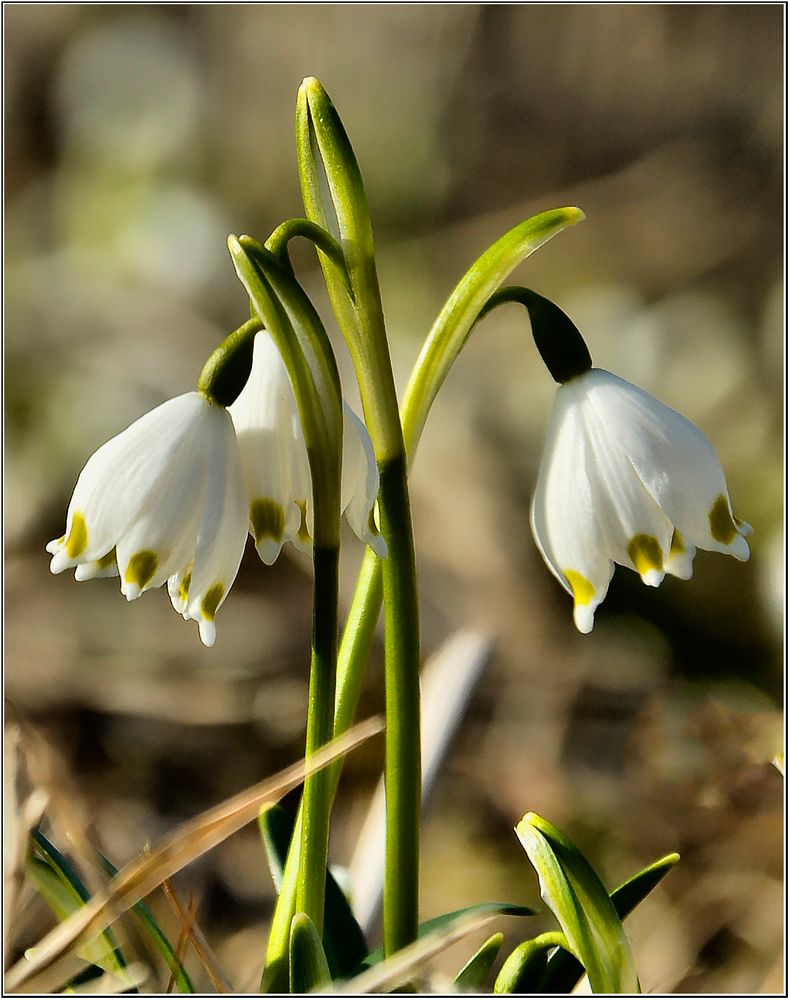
point(355, 647)
point(293, 323)
point(448, 335)
point(334, 198)
point(352, 658)
point(402, 769)
point(317, 795)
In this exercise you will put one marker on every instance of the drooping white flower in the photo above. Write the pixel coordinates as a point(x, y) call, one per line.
point(276, 466)
point(625, 479)
point(163, 501)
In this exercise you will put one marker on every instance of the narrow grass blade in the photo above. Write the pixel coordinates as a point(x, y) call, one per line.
point(343, 940)
point(563, 970)
point(157, 936)
point(123, 980)
point(582, 906)
point(404, 965)
point(471, 977)
point(309, 970)
point(192, 839)
point(55, 879)
point(438, 924)
point(195, 936)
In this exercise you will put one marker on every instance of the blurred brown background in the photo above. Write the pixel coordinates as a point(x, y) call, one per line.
point(137, 138)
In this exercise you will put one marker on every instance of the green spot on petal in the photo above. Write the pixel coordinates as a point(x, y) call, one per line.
point(645, 553)
point(183, 587)
point(211, 599)
point(722, 526)
point(106, 560)
point(77, 541)
point(141, 568)
point(267, 519)
point(677, 546)
point(583, 590)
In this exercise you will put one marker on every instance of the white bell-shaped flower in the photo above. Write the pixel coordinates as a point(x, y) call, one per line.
point(625, 479)
point(276, 466)
point(163, 501)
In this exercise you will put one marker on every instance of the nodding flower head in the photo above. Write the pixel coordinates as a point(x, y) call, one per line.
point(163, 501)
point(276, 464)
point(625, 479)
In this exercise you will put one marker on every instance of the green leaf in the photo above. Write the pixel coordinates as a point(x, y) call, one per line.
point(522, 971)
point(344, 943)
point(563, 970)
point(309, 967)
point(54, 878)
point(157, 936)
point(581, 904)
point(459, 314)
point(437, 923)
point(471, 977)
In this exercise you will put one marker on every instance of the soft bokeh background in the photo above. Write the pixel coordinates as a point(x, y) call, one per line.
point(137, 138)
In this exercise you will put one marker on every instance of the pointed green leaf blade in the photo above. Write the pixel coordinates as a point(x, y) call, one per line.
point(563, 970)
point(630, 894)
point(581, 904)
point(446, 919)
point(471, 977)
point(309, 967)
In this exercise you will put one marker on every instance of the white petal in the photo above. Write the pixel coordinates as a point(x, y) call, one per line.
point(681, 557)
point(563, 517)
point(675, 461)
point(273, 450)
point(360, 482)
point(163, 535)
point(100, 569)
point(118, 479)
point(223, 527)
point(635, 532)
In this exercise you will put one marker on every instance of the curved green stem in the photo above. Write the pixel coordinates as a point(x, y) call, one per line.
point(278, 242)
point(227, 369)
point(556, 337)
